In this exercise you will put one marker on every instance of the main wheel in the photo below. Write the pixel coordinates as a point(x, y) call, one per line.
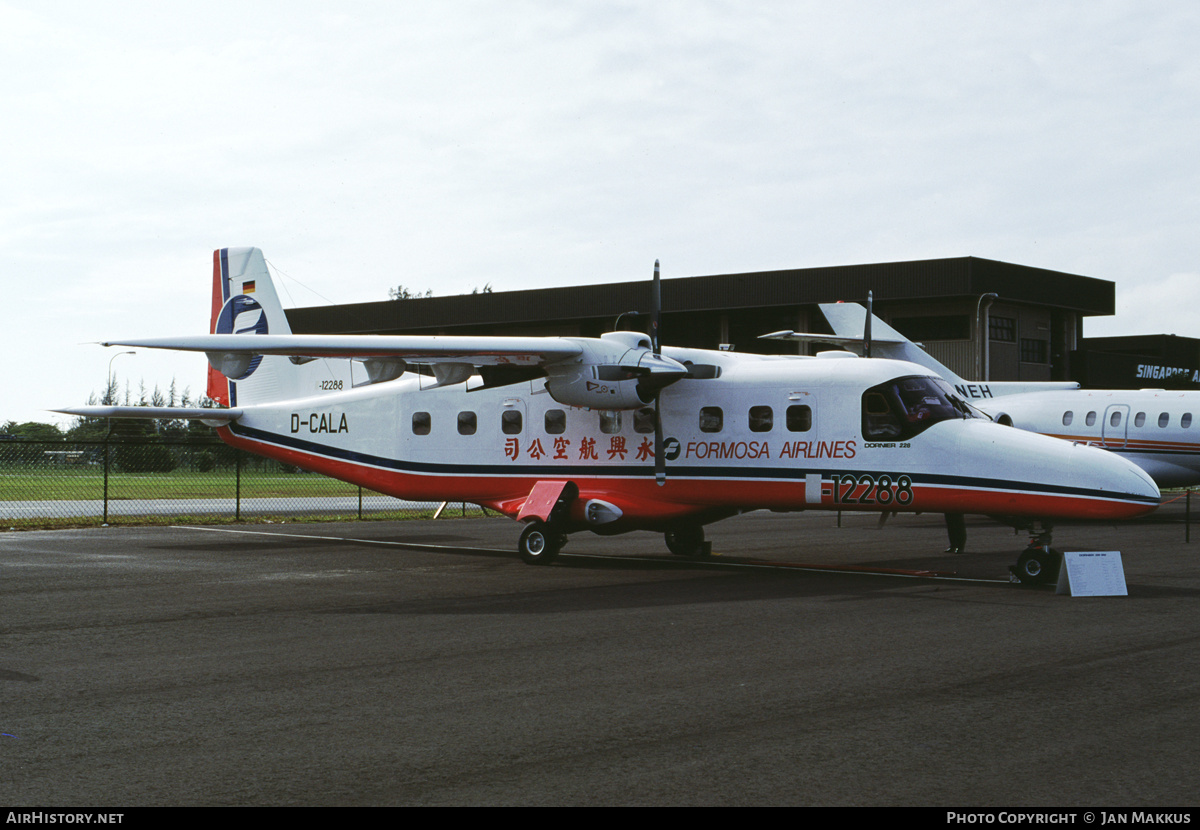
point(538, 545)
point(1038, 566)
point(687, 541)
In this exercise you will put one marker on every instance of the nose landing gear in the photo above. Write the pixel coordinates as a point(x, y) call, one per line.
point(1039, 563)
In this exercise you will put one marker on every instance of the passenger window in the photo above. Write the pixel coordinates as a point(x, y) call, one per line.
point(761, 419)
point(421, 423)
point(556, 422)
point(1115, 419)
point(711, 419)
point(643, 420)
point(1163, 419)
point(799, 418)
point(510, 422)
point(467, 423)
point(1139, 420)
point(1091, 419)
point(1186, 420)
point(1068, 417)
point(610, 421)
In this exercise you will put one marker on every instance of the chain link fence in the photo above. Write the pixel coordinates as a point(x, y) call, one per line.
point(72, 483)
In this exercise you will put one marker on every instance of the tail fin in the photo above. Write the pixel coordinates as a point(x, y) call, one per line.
point(847, 319)
point(244, 302)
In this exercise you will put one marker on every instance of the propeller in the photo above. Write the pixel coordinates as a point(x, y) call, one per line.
point(867, 325)
point(660, 461)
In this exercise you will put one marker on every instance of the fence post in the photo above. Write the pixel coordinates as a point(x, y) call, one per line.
point(107, 435)
point(1187, 517)
point(237, 466)
point(360, 502)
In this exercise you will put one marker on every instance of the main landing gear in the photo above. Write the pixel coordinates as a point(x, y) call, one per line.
point(1039, 563)
point(688, 541)
point(540, 543)
point(544, 537)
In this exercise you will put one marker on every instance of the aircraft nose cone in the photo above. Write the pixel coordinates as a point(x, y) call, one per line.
point(1109, 472)
point(1063, 480)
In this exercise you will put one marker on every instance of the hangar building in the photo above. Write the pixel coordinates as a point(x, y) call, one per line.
point(1032, 317)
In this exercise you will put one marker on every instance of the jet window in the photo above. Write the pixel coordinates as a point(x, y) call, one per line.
point(1186, 420)
point(1163, 419)
point(1091, 419)
point(1068, 417)
point(1139, 420)
point(510, 422)
point(711, 419)
point(556, 422)
point(467, 423)
point(610, 421)
point(799, 418)
point(1115, 419)
point(643, 420)
point(762, 419)
point(905, 407)
point(421, 423)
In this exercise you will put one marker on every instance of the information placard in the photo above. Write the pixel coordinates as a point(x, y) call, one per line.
point(1093, 573)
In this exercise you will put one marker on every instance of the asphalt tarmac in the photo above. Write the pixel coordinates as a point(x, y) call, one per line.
point(421, 663)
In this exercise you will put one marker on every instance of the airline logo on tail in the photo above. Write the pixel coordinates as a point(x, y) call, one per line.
point(242, 315)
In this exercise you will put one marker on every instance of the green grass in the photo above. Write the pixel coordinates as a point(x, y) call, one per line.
point(51, 523)
point(67, 483)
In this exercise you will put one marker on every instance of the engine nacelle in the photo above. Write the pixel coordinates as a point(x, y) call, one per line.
point(616, 372)
point(598, 387)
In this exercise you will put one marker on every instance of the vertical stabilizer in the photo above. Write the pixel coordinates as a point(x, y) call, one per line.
point(849, 320)
point(846, 319)
point(244, 302)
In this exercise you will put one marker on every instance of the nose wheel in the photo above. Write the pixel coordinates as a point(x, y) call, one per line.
point(1039, 563)
point(1036, 566)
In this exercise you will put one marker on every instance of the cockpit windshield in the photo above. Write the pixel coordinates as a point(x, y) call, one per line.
point(904, 407)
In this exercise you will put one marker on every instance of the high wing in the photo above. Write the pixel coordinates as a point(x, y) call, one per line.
point(477, 351)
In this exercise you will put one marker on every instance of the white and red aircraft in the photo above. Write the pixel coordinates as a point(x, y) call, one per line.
point(614, 434)
point(1157, 429)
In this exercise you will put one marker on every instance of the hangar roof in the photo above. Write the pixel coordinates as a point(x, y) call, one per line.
point(960, 277)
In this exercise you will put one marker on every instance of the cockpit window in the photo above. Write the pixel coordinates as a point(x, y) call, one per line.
point(901, 408)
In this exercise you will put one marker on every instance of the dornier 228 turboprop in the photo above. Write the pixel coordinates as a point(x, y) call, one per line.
point(616, 433)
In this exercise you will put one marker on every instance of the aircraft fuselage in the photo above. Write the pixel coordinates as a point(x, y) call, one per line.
point(746, 432)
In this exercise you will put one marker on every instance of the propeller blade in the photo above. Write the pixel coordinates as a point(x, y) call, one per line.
point(867, 326)
point(660, 461)
point(656, 312)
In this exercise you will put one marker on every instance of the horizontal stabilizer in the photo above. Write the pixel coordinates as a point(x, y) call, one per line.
point(214, 417)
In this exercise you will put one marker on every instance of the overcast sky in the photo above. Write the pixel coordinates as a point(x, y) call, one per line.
point(449, 145)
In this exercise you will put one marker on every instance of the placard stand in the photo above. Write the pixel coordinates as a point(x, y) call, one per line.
point(1092, 574)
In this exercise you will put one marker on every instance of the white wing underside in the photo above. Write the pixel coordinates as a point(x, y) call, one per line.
point(476, 351)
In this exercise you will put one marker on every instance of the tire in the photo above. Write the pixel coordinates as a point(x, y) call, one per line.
point(538, 545)
point(687, 541)
point(1036, 566)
